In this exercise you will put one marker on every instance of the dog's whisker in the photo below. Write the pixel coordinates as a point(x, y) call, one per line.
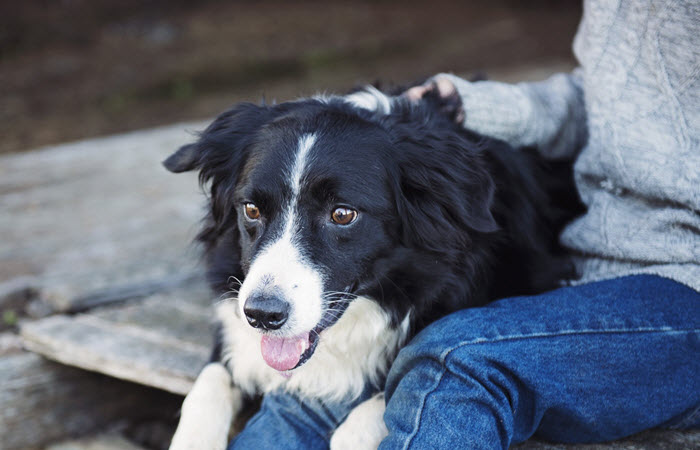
point(334, 314)
point(339, 292)
point(381, 288)
point(228, 295)
point(334, 295)
point(223, 300)
point(337, 301)
point(316, 333)
point(234, 279)
point(396, 286)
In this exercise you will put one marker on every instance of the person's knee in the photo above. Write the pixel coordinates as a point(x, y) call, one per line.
point(457, 380)
point(428, 352)
point(465, 326)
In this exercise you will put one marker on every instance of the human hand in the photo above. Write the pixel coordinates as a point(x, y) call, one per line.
point(442, 90)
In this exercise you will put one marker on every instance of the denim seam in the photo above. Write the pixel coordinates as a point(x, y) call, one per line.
point(422, 406)
point(665, 330)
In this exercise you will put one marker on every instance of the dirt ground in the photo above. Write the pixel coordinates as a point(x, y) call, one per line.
point(73, 69)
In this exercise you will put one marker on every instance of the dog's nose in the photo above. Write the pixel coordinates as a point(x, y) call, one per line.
point(266, 312)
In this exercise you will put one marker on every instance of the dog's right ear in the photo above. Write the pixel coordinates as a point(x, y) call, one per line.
point(223, 142)
point(184, 159)
point(219, 155)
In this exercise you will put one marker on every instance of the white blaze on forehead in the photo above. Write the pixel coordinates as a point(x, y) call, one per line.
point(281, 266)
point(305, 143)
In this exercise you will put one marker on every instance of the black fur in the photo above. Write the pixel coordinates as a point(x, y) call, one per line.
point(451, 219)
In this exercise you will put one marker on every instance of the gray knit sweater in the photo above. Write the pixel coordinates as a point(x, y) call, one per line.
point(632, 114)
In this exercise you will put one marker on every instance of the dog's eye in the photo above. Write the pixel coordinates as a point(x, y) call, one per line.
point(252, 211)
point(343, 216)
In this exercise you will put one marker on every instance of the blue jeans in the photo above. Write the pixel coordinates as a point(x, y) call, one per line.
point(587, 363)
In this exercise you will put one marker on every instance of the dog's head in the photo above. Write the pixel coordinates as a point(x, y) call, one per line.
point(316, 202)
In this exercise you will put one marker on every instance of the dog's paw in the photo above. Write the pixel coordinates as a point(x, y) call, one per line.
point(197, 441)
point(207, 411)
point(364, 427)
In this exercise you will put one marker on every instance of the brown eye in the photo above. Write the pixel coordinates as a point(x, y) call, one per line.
point(343, 216)
point(252, 211)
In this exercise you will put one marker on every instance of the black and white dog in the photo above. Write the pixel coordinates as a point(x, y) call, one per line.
point(341, 226)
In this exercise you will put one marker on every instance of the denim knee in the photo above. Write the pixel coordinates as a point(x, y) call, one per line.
point(430, 349)
point(579, 364)
point(435, 378)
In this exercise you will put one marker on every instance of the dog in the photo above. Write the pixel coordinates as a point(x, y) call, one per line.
point(340, 226)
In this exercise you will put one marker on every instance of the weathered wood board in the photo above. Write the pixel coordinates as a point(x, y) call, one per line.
point(97, 220)
point(41, 401)
point(99, 442)
point(161, 341)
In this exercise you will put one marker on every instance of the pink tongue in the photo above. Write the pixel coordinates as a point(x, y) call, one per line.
point(283, 353)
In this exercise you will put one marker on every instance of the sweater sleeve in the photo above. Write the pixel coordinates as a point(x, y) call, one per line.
point(548, 115)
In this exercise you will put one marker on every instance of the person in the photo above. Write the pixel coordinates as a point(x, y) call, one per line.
point(618, 351)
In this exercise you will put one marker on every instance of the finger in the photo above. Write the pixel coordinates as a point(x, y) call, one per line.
point(445, 87)
point(415, 93)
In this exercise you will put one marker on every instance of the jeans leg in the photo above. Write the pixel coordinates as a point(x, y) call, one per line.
point(286, 421)
point(586, 363)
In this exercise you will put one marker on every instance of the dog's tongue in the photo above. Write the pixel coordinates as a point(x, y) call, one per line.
point(283, 353)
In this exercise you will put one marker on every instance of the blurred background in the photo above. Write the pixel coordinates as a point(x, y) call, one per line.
point(104, 317)
point(71, 69)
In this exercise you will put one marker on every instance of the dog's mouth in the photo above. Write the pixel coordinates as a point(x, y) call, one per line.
point(285, 354)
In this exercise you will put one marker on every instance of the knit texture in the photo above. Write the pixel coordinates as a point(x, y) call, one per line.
point(631, 115)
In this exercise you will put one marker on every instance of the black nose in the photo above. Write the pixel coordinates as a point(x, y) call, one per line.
point(266, 312)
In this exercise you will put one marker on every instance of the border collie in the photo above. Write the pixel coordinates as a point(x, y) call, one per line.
point(338, 227)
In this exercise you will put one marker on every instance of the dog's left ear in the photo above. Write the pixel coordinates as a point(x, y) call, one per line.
point(445, 192)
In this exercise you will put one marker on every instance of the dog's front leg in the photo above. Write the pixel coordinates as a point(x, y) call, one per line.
point(207, 411)
point(364, 427)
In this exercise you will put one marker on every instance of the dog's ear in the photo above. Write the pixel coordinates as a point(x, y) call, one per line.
point(220, 154)
point(184, 159)
point(225, 139)
point(445, 192)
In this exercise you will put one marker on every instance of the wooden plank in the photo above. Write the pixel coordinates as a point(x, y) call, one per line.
point(99, 442)
point(43, 402)
point(136, 356)
point(183, 315)
point(162, 341)
point(97, 220)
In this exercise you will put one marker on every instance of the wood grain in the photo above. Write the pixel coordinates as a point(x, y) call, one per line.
point(162, 341)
